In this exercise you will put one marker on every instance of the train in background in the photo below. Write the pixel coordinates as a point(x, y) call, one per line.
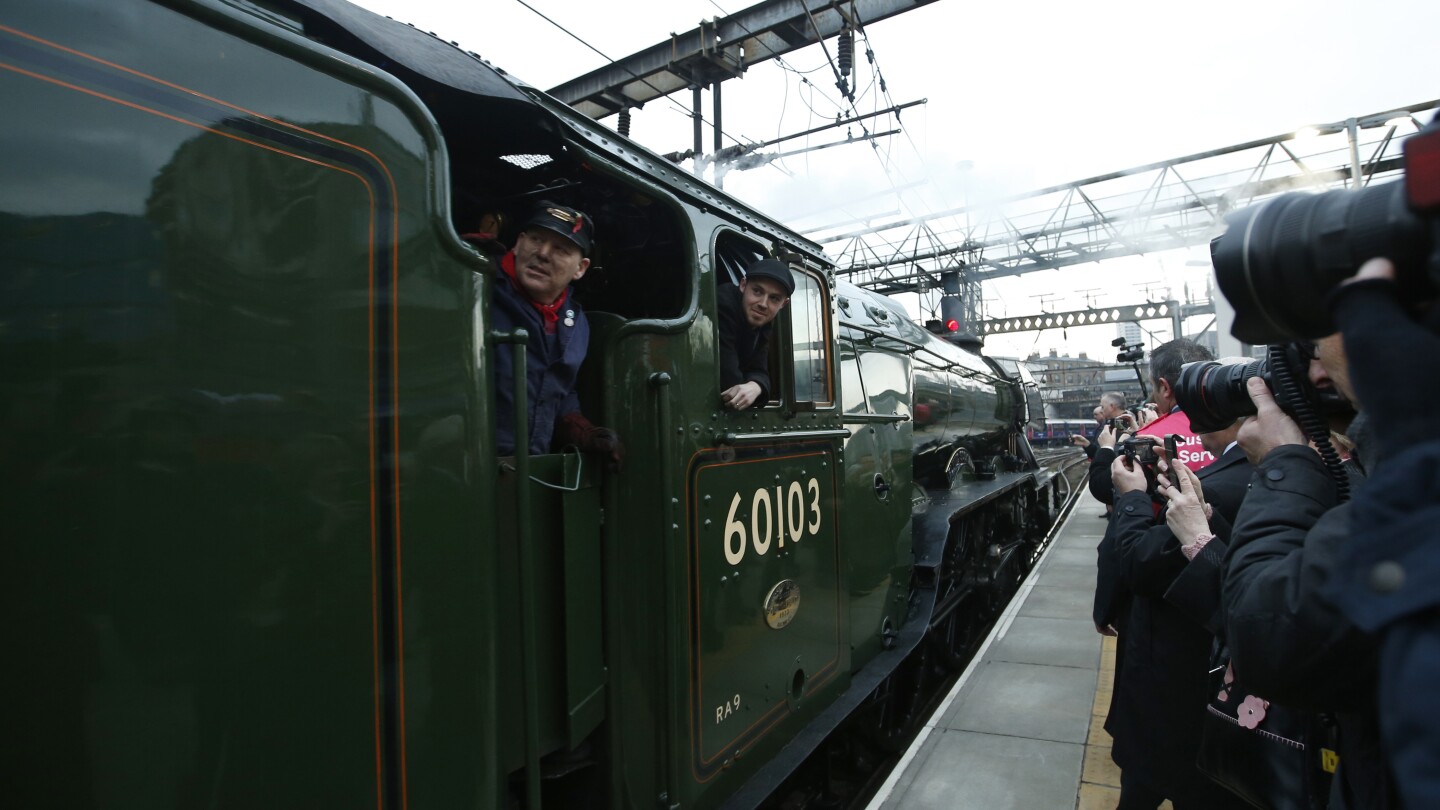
point(1057, 432)
point(261, 548)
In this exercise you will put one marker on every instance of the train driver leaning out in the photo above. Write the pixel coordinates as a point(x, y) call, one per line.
point(746, 313)
point(534, 293)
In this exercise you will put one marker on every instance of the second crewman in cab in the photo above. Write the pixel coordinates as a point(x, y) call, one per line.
point(746, 314)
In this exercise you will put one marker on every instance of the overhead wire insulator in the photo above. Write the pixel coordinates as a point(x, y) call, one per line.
point(625, 122)
point(846, 56)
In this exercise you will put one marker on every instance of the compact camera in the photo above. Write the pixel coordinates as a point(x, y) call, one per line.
point(1140, 450)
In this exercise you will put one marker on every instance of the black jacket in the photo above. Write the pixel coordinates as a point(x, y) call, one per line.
point(1099, 482)
point(1387, 587)
point(744, 352)
point(1196, 590)
point(1162, 678)
point(1288, 640)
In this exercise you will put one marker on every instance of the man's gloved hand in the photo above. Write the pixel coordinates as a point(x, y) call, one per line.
point(574, 429)
point(1390, 353)
point(607, 441)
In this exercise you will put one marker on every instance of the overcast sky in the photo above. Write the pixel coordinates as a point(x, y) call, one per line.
point(1021, 95)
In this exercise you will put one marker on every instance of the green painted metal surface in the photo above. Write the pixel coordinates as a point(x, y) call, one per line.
point(764, 542)
point(565, 585)
point(243, 500)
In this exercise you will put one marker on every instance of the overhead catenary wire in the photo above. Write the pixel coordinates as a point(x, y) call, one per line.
point(780, 61)
point(603, 55)
point(850, 111)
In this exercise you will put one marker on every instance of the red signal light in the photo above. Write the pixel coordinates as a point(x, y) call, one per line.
point(952, 325)
point(1422, 169)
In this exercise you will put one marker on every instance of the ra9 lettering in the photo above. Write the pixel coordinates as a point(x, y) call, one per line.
point(724, 710)
point(775, 515)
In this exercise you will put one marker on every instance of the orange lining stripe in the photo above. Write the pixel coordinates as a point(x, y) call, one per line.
point(395, 342)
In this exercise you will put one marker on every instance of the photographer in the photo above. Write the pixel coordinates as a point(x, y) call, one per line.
point(1114, 422)
point(1165, 364)
point(1162, 685)
point(1111, 597)
point(1304, 565)
point(1079, 440)
point(1143, 777)
point(1388, 571)
point(1287, 638)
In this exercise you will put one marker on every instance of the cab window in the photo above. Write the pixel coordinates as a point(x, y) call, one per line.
point(800, 362)
point(810, 340)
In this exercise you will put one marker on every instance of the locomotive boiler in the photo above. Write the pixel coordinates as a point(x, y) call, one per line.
point(262, 549)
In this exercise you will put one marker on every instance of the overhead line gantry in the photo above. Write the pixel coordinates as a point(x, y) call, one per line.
point(1170, 204)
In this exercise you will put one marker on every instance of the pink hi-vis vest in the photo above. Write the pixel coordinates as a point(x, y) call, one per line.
point(1188, 447)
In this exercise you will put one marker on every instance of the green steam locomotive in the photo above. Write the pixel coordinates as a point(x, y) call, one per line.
point(261, 550)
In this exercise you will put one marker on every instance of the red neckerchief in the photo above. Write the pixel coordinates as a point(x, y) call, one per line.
point(549, 313)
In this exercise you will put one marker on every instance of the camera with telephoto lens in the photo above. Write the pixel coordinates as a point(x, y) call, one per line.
point(1213, 394)
point(1277, 261)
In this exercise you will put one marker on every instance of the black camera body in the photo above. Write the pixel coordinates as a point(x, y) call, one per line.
point(1277, 261)
point(1141, 450)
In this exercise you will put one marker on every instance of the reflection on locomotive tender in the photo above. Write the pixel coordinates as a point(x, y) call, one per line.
point(265, 552)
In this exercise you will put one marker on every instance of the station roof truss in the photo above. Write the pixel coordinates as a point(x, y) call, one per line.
point(1160, 206)
point(720, 49)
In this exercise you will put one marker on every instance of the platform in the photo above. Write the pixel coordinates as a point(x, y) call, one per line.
point(1022, 727)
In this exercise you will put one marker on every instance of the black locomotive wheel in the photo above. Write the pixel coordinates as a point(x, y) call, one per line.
point(901, 707)
point(956, 638)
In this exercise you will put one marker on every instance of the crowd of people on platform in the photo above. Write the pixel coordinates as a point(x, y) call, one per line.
point(1277, 643)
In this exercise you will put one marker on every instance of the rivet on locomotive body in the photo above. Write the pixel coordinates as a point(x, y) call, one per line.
point(782, 603)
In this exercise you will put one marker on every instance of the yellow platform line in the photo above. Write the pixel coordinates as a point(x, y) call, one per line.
point(1100, 776)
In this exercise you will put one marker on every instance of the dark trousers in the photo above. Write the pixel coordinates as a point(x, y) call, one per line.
point(1136, 795)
